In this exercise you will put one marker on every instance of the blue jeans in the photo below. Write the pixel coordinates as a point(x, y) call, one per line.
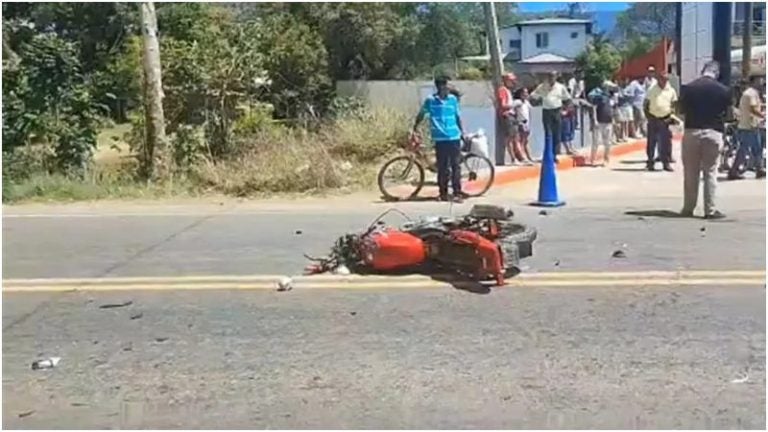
point(749, 144)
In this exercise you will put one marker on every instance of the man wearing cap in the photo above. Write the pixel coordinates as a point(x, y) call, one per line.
point(507, 115)
point(552, 95)
point(659, 107)
point(447, 134)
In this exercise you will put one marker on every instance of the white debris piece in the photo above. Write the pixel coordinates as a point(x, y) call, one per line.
point(342, 270)
point(285, 284)
point(48, 363)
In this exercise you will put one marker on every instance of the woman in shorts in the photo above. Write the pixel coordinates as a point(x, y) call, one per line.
point(523, 113)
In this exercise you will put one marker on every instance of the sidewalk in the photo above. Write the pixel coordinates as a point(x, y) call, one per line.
point(510, 174)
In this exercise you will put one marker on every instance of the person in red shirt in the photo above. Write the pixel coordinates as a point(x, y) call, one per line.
point(508, 116)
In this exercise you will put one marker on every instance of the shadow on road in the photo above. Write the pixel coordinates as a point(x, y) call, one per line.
point(468, 285)
point(629, 169)
point(654, 213)
point(417, 198)
point(633, 162)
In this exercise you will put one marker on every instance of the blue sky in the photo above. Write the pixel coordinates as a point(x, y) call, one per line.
point(591, 6)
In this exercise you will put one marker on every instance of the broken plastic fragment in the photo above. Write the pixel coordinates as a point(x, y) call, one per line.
point(285, 284)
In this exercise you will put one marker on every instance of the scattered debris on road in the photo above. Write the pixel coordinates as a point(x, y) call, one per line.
point(543, 213)
point(137, 316)
point(557, 263)
point(161, 339)
point(353, 313)
point(619, 254)
point(342, 270)
point(298, 232)
point(116, 305)
point(26, 413)
point(740, 380)
point(485, 245)
point(48, 363)
point(285, 284)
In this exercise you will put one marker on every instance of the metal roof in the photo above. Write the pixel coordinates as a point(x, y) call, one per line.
point(547, 58)
point(550, 21)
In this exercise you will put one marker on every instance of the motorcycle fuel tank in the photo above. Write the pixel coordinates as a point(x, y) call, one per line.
point(392, 249)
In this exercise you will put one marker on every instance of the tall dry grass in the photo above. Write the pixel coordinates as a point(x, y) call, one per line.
point(345, 153)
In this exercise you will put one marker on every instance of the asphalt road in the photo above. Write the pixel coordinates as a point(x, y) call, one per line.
point(624, 356)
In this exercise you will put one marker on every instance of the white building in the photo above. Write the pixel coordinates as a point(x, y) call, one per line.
point(561, 37)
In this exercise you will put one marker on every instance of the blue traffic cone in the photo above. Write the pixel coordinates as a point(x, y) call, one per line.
point(548, 177)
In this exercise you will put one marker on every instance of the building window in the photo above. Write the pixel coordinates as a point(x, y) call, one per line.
point(574, 35)
point(542, 40)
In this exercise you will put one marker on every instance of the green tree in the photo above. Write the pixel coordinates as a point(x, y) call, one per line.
point(636, 47)
point(652, 20)
point(100, 31)
point(297, 66)
point(47, 101)
point(599, 62)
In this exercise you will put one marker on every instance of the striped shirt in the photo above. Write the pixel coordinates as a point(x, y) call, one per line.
point(443, 115)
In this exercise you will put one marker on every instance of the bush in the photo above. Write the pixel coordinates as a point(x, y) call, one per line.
point(471, 74)
point(341, 154)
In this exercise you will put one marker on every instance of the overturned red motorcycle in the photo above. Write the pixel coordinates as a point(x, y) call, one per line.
point(483, 245)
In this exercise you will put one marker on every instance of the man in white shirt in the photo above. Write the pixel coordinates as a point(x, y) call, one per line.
point(650, 78)
point(751, 114)
point(552, 95)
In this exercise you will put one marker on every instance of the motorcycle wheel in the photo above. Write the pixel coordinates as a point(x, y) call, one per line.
point(410, 189)
point(478, 170)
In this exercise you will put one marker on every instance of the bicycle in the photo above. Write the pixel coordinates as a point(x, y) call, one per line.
point(477, 171)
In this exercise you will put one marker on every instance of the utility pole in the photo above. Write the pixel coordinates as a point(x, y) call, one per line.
point(492, 31)
point(746, 42)
point(722, 29)
point(155, 160)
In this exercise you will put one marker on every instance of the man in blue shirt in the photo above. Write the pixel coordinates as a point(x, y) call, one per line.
point(447, 133)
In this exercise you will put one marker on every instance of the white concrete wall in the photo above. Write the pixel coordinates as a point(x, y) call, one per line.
point(407, 96)
point(696, 39)
point(560, 41)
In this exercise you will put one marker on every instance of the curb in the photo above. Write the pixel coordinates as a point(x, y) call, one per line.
point(566, 162)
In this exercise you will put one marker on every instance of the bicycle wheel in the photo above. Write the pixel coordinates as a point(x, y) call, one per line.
point(477, 174)
point(406, 173)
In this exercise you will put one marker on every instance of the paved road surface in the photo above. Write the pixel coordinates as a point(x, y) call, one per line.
point(580, 355)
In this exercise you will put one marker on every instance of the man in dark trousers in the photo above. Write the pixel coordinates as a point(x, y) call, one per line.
point(552, 95)
point(704, 103)
point(447, 134)
point(659, 106)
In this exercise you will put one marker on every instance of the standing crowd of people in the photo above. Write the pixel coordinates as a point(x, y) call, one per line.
point(630, 109)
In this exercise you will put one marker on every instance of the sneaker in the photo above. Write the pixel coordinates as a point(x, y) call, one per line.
point(668, 168)
point(650, 167)
point(735, 176)
point(686, 213)
point(760, 174)
point(458, 199)
point(715, 215)
point(443, 198)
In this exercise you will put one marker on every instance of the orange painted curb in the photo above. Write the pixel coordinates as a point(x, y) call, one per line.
point(564, 163)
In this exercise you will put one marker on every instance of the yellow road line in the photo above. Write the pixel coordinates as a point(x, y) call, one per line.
point(362, 285)
point(250, 279)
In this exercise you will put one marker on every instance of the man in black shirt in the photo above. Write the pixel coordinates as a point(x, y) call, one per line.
point(704, 103)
